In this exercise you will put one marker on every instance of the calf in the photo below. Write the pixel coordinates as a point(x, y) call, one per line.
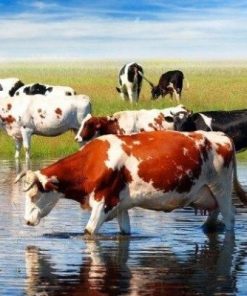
point(170, 82)
point(45, 89)
point(161, 170)
point(233, 123)
point(24, 116)
point(130, 80)
point(128, 122)
point(8, 86)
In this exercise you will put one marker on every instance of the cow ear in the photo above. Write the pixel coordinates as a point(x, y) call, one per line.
point(169, 119)
point(118, 89)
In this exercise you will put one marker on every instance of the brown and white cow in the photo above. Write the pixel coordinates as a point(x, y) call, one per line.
point(23, 116)
point(160, 170)
point(128, 122)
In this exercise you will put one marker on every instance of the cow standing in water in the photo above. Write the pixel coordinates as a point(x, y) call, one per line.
point(130, 80)
point(24, 116)
point(161, 170)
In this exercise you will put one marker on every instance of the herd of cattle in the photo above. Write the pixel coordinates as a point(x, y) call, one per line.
point(159, 159)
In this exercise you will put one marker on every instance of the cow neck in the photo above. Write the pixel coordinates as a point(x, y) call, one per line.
point(79, 173)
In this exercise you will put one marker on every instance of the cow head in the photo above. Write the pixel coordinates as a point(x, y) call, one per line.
point(155, 92)
point(183, 121)
point(87, 129)
point(40, 194)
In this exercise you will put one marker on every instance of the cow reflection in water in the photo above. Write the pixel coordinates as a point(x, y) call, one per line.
point(109, 270)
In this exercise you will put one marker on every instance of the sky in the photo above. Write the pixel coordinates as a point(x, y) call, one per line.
point(121, 29)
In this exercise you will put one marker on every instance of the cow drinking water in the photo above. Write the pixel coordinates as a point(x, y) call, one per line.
point(160, 170)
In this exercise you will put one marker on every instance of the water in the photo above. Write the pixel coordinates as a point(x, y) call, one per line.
point(167, 253)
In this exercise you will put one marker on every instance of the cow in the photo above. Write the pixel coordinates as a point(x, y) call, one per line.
point(170, 82)
point(23, 116)
point(159, 170)
point(45, 89)
point(8, 86)
point(127, 122)
point(233, 123)
point(130, 80)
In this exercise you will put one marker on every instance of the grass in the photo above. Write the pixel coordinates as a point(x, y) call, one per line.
point(214, 85)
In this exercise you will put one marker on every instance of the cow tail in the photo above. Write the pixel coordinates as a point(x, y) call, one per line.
point(237, 186)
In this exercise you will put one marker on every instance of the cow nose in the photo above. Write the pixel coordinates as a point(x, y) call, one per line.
point(28, 223)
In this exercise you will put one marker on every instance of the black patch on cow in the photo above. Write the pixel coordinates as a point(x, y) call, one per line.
point(49, 89)
point(17, 85)
point(1, 88)
point(68, 93)
point(35, 89)
point(169, 118)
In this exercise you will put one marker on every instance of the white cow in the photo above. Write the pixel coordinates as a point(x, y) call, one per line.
point(128, 122)
point(24, 116)
point(8, 86)
point(45, 89)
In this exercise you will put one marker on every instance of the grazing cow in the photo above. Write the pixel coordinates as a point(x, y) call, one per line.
point(170, 82)
point(128, 122)
point(24, 116)
point(130, 80)
point(160, 170)
point(44, 89)
point(8, 86)
point(233, 123)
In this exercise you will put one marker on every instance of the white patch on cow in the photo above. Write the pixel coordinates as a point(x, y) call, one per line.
point(136, 143)
point(115, 159)
point(78, 137)
point(185, 151)
point(207, 120)
point(44, 179)
point(98, 215)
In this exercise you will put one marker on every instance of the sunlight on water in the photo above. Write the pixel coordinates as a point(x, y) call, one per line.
point(167, 254)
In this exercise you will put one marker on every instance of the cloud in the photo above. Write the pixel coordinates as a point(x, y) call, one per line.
point(74, 32)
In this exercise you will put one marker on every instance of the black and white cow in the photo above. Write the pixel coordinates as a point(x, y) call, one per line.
point(44, 89)
point(8, 86)
point(170, 82)
point(233, 123)
point(130, 80)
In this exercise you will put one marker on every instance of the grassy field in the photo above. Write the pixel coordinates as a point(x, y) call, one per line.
point(213, 85)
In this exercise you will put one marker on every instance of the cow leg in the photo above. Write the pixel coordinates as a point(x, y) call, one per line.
point(97, 217)
point(26, 135)
point(176, 96)
point(124, 221)
point(18, 145)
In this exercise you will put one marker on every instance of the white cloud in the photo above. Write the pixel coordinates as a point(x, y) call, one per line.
point(79, 34)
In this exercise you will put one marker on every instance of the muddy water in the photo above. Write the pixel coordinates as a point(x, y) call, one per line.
point(167, 254)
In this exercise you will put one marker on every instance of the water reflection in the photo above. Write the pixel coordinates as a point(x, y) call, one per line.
point(119, 269)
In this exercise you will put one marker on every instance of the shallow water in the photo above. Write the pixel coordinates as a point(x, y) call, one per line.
point(167, 254)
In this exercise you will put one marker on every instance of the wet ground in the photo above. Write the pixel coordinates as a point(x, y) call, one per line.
point(167, 254)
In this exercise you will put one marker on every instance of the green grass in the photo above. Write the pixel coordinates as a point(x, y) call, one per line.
point(214, 85)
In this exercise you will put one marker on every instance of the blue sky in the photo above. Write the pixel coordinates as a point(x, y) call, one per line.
point(123, 29)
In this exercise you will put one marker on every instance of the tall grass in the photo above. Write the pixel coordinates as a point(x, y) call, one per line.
point(215, 85)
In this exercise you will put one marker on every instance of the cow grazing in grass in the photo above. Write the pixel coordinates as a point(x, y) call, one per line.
point(130, 80)
point(44, 89)
point(170, 82)
point(23, 116)
point(128, 122)
point(233, 123)
point(8, 86)
point(160, 170)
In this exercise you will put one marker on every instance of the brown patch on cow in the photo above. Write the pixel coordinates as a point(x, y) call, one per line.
point(39, 110)
point(8, 119)
point(85, 172)
point(168, 160)
point(152, 126)
point(59, 112)
point(100, 126)
point(226, 151)
point(159, 121)
point(9, 106)
point(42, 116)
